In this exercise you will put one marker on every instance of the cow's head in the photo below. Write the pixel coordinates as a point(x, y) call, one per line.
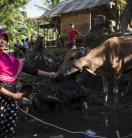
point(74, 61)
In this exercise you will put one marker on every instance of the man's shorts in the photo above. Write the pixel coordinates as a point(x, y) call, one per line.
point(71, 45)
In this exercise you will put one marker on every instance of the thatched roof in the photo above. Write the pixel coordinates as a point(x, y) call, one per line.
point(74, 5)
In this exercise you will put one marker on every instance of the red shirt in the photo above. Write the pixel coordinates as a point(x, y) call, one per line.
point(72, 35)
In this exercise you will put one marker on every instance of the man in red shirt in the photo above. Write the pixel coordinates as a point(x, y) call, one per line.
point(72, 36)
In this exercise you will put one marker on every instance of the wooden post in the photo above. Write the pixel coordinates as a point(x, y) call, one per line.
point(89, 22)
point(117, 15)
point(37, 27)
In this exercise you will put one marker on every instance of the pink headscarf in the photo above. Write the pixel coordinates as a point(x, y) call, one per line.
point(10, 67)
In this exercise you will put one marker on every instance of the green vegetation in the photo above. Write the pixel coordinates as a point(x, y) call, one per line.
point(16, 23)
point(14, 20)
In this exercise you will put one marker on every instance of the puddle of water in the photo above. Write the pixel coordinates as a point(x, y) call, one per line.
point(89, 124)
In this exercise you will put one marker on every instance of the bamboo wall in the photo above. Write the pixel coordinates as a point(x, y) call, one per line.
point(82, 22)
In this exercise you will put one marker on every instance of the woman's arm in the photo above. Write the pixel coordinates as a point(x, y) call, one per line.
point(15, 96)
point(47, 74)
point(38, 72)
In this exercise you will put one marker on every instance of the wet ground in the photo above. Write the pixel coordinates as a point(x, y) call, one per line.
point(90, 124)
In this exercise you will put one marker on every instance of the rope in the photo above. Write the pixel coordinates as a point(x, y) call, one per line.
point(128, 136)
point(88, 133)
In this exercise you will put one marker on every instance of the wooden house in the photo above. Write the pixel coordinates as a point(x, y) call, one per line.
point(80, 12)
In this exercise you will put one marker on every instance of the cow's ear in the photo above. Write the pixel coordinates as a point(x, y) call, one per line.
point(87, 50)
point(74, 54)
point(82, 52)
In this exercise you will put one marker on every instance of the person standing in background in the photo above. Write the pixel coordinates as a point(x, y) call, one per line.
point(73, 33)
point(31, 41)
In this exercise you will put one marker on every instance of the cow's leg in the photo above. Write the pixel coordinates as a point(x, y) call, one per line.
point(105, 89)
point(115, 92)
point(129, 86)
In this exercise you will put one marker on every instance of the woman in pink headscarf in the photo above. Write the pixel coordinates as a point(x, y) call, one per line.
point(10, 69)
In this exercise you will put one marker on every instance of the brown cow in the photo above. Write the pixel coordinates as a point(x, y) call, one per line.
point(110, 60)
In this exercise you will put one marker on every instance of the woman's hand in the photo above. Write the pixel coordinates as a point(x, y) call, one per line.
point(17, 96)
point(53, 75)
